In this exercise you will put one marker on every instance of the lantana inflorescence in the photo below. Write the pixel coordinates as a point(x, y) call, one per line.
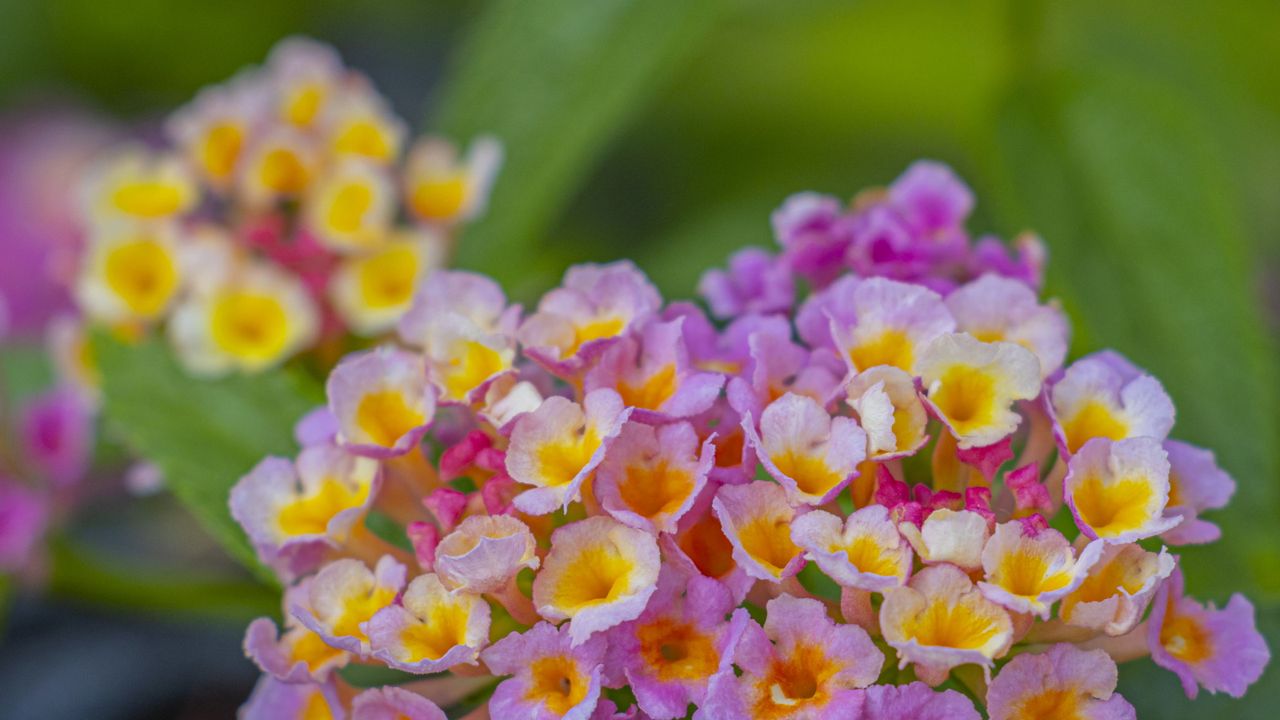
point(894, 499)
point(286, 210)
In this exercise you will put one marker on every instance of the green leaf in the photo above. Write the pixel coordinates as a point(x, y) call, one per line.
point(555, 80)
point(203, 434)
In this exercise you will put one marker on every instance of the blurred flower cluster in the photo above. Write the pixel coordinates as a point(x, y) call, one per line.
point(47, 425)
point(892, 500)
point(287, 211)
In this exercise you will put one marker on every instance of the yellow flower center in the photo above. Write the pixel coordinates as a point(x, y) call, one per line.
point(471, 364)
point(384, 416)
point(441, 197)
point(444, 630)
point(962, 624)
point(798, 680)
point(143, 274)
point(1115, 508)
point(148, 199)
point(967, 397)
point(1027, 574)
point(677, 650)
point(310, 514)
point(1185, 638)
point(559, 462)
point(768, 541)
point(706, 545)
point(317, 708)
point(653, 391)
point(1094, 419)
point(251, 326)
point(557, 683)
point(221, 149)
point(1050, 704)
point(598, 575)
point(868, 556)
point(311, 649)
point(650, 490)
point(363, 137)
point(387, 278)
point(359, 608)
point(810, 472)
point(594, 330)
point(348, 208)
point(282, 171)
point(303, 103)
point(890, 347)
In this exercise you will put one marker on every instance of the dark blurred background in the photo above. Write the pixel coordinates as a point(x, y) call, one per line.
point(1141, 138)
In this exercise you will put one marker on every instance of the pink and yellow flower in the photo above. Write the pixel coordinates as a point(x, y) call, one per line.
point(248, 320)
point(137, 186)
point(279, 165)
point(432, 628)
point(132, 273)
point(651, 476)
point(213, 129)
point(916, 701)
point(864, 551)
point(557, 447)
point(1218, 650)
point(1063, 683)
point(382, 401)
point(756, 519)
point(1117, 589)
point(350, 207)
point(372, 291)
point(998, 309)
point(972, 385)
point(678, 646)
point(485, 552)
point(940, 620)
point(652, 373)
point(800, 665)
point(1029, 567)
point(599, 573)
point(950, 536)
point(594, 307)
point(442, 189)
point(1103, 395)
point(284, 506)
point(344, 596)
point(889, 410)
point(889, 323)
point(394, 703)
point(1118, 490)
point(811, 454)
point(554, 677)
point(360, 125)
point(275, 700)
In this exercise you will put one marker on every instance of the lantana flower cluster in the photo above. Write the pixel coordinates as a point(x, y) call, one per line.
point(892, 500)
point(286, 211)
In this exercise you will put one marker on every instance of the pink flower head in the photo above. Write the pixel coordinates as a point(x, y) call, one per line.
point(394, 703)
point(1028, 568)
point(1117, 589)
point(297, 655)
point(1062, 682)
point(595, 305)
point(652, 373)
point(814, 235)
point(286, 507)
point(940, 620)
point(993, 308)
point(932, 197)
point(342, 598)
point(23, 518)
point(651, 476)
point(467, 332)
point(1219, 650)
point(554, 678)
point(756, 519)
point(1103, 395)
point(916, 701)
point(443, 189)
point(1118, 490)
point(972, 386)
point(276, 700)
point(755, 282)
point(680, 644)
point(864, 551)
point(556, 448)
point(889, 410)
point(57, 434)
point(801, 664)
point(382, 400)
point(1196, 484)
point(1023, 262)
point(889, 323)
point(811, 454)
point(886, 245)
point(431, 629)
point(485, 552)
point(599, 573)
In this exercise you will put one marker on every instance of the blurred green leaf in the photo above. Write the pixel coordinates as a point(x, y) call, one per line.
point(203, 434)
point(85, 575)
point(555, 80)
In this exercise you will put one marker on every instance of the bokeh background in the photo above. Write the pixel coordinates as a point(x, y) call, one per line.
point(1141, 138)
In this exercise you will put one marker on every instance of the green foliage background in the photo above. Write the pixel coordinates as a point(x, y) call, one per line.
point(1141, 138)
